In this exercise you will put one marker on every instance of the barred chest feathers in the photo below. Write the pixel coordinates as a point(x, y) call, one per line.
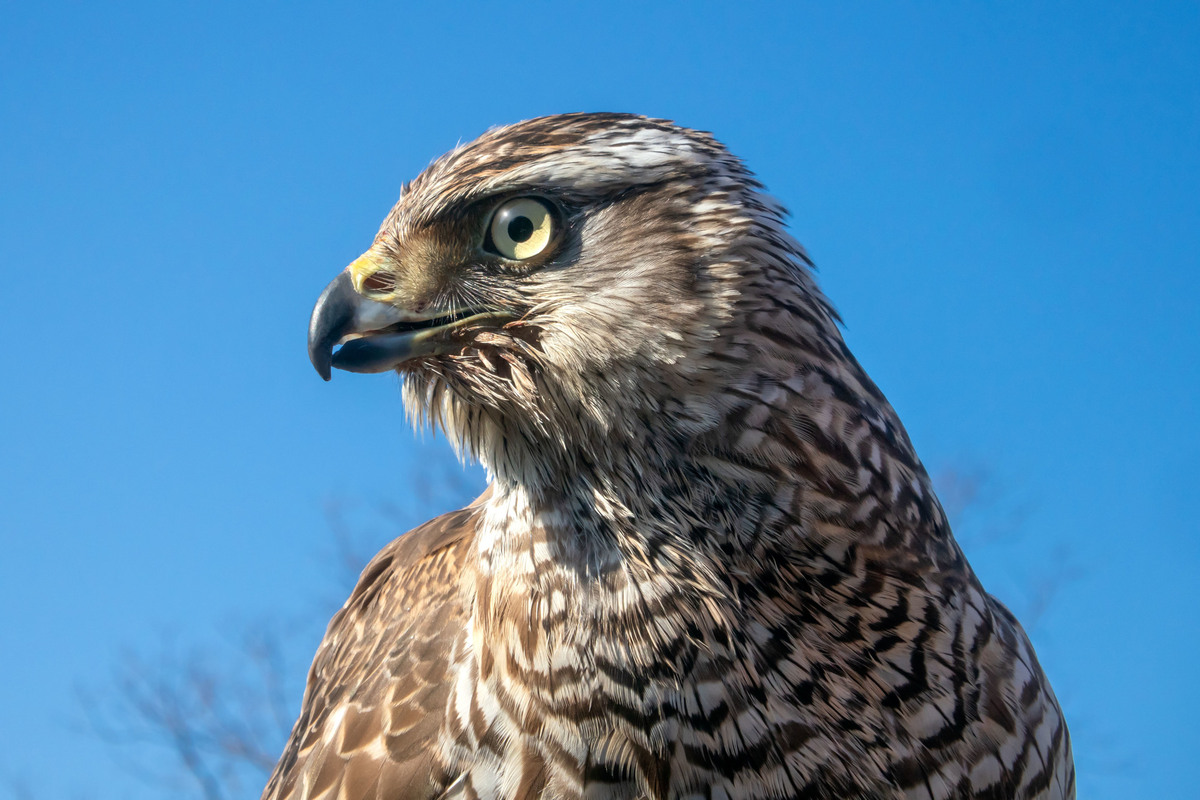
point(709, 562)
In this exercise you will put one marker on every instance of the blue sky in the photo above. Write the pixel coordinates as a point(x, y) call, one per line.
point(1003, 204)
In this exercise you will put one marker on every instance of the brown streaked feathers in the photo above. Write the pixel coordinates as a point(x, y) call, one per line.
point(709, 562)
point(385, 659)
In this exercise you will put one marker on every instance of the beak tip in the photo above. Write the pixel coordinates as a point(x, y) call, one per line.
point(331, 317)
point(321, 356)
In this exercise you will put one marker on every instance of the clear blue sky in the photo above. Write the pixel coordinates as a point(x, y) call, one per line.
point(1004, 204)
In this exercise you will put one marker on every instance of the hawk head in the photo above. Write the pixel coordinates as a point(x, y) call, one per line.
point(563, 282)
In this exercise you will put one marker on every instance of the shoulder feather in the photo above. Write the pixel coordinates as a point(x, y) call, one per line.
point(377, 690)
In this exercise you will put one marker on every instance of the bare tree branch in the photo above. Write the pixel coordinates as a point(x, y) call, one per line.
point(988, 516)
point(222, 713)
point(221, 716)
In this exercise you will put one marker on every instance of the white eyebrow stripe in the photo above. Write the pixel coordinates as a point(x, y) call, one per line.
point(627, 157)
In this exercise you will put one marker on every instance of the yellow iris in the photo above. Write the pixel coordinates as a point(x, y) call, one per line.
point(522, 228)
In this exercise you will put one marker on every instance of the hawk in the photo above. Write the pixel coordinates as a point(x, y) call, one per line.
point(709, 562)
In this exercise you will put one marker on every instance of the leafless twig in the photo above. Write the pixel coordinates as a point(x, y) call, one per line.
point(222, 719)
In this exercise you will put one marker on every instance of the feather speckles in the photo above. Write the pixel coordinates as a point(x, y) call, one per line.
point(709, 563)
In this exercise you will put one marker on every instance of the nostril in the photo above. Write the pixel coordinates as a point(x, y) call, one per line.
point(378, 283)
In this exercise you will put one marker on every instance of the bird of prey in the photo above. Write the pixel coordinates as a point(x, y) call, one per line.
point(709, 563)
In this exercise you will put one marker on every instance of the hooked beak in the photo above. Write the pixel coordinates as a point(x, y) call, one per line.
point(377, 337)
point(339, 312)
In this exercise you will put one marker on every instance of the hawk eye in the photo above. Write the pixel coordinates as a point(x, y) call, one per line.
point(521, 228)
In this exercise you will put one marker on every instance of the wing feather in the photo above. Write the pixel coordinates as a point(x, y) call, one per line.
point(377, 690)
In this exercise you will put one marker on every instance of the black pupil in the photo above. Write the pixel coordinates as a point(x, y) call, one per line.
point(520, 229)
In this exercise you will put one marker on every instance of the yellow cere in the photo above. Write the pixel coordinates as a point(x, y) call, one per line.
point(361, 269)
point(522, 228)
